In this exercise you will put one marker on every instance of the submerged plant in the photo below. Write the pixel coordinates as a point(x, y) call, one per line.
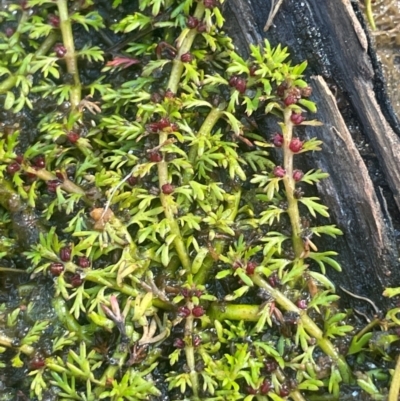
point(178, 261)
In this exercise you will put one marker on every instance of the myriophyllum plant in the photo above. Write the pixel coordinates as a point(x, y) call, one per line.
point(179, 258)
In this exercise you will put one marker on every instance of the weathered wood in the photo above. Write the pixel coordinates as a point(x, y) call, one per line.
point(357, 115)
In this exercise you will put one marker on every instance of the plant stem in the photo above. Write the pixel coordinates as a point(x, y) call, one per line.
point(309, 326)
point(290, 185)
point(8, 342)
point(177, 65)
point(221, 312)
point(70, 56)
point(395, 385)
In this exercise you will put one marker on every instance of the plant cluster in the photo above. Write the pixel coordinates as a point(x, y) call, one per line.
point(175, 260)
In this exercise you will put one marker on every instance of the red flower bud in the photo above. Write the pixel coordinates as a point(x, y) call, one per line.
point(56, 268)
point(183, 311)
point(202, 27)
point(241, 85)
point(297, 118)
point(19, 159)
point(13, 167)
point(273, 279)
point(270, 365)
point(54, 20)
point(196, 341)
point(251, 266)
point(279, 172)
point(295, 145)
point(39, 161)
point(164, 123)
point(60, 50)
point(179, 343)
point(298, 175)
point(155, 157)
point(52, 185)
point(198, 311)
point(132, 180)
point(233, 80)
point(280, 90)
point(65, 254)
point(169, 94)
point(251, 390)
point(73, 136)
point(301, 304)
point(83, 262)
point(265, 387)
point(289, 100)
point(167, 189)
point(209, 3)
point(192, 22)
point(306, 92)
point(187, 57)
point(284, 390)
point(76, 280)
point(277, 139)
point(37, 362)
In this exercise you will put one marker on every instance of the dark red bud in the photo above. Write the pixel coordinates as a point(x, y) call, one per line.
point(183, 311)
point(289, 100)
point(52, 185)
point(54, 20)
point(296, 145)
point(301, 304)
point(37, 362)
point(198, 311)
point(156, 97)
point(167, 189)
point(277, 139)
point(306, 92)
point(251, 390)
point(169, 94)
point(185, 292)
point(297, 118)
point(284, 390)
point(76, 280)
point(56, 268)
point(265, 387)
point(179, 343)
point(73, 136)
point(132, 180)
point(279, 172)
point(241, 85)
point(187, 57)
point(298, 175)
point(60, 175)
point(164, 123)
point(270, 365)
point(39, 161)
point(192, 22)
point(13, 167)
point(233, 80)
point(65, 254)
point(251, 266)
point(19, 159)
point(202, 27)
point(280, 90)
point(273, 279)
point(196, 341)
point(83, 262)
point(252, 70)
point(174, 127)
point(60, 50)
point(209, 3)
point(155, 157)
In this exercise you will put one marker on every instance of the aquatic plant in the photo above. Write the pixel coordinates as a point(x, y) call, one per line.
point(170, 243)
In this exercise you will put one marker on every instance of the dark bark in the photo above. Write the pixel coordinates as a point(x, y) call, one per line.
point(361, 133)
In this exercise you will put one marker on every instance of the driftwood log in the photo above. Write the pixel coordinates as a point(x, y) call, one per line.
point(361, 133)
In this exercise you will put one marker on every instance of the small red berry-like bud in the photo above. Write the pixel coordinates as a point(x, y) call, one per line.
point(37, 362)
point(60, 175)
point(297, 118)
point(73, 136)
point(197, 293)
point(19, 159)
point(273, 279)
point(169, 94)
point(179, 343)
point(83, 262)
point(60, 50)
point(251, 390)
point(167, 189)
point(202, 27)
point(295, 145)
point(209, 3)
point(289, 100)
point(241, 85)
point(196, 341)
point(155, 157)
point(156, 97)
point(76, 280)
point(270, 365)
point(187, 57)
point(56, 268)
point(279, 172)
point(153, 127)
point(52, 185)
point(252, 70)
point(301, 304)
point(174, 127)
point(306, 92)
point(183, 311)
point(284, 390)
point(265, 387)
point(233, 80)
point(132, 180)
point(280, 90)
point(198, 311)
point(277, 139)
point(65, 254)
point(54, 20)
point(251, 266)
point(13, 167)
point(185, 292)
point(192, 22)
point(164, 123)
point(298, 175)
point(9, 32)
point(39, 161)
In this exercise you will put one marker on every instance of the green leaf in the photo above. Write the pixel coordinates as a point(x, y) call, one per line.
point(314, 207)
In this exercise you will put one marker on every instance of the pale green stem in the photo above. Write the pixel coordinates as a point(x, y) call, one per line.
point(290, 186)
point(309, 326)
point(395, 385)
point(370, 14)
point(8, 342)
point(177, 65)
point(70, 56)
